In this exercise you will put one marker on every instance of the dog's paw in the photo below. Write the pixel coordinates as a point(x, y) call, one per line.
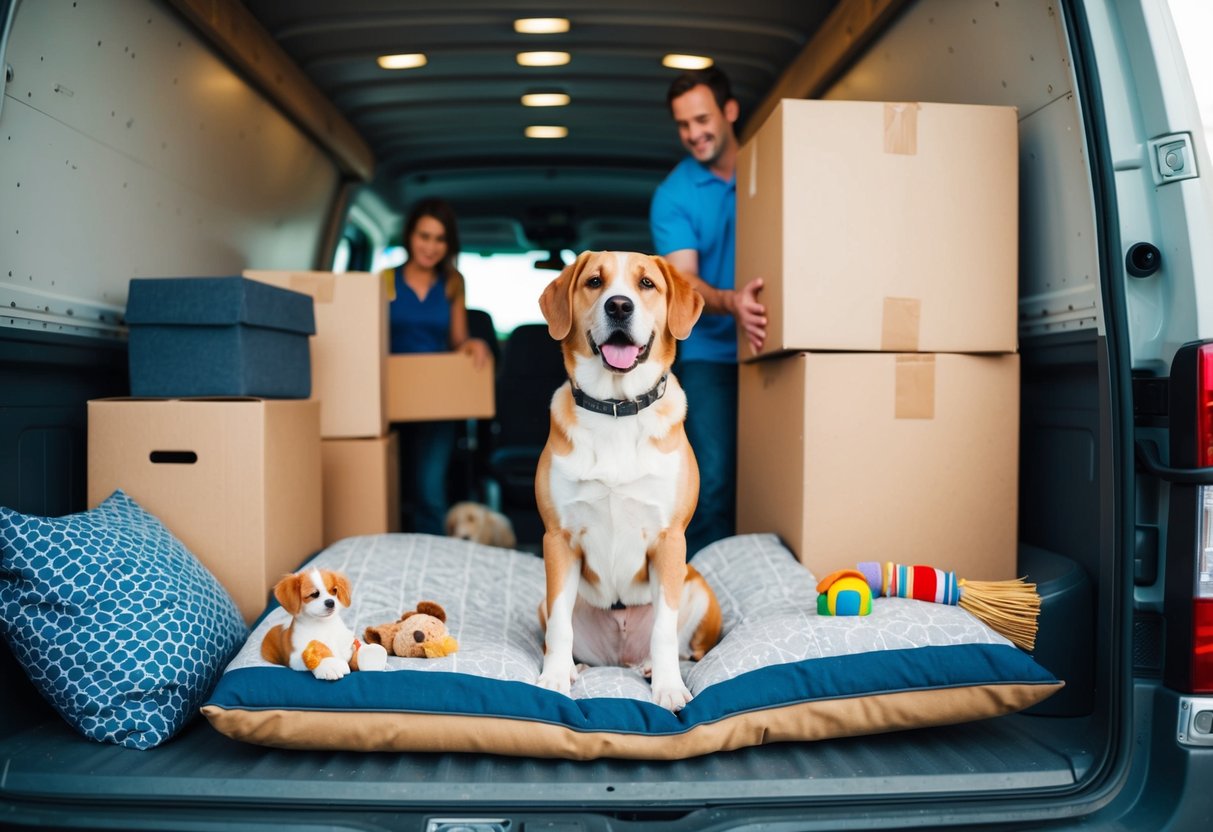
point(331, 669)
point(372, 657)
point(669, 691)
point(558, 676)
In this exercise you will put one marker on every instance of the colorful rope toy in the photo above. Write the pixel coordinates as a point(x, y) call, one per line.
point(1007, 607)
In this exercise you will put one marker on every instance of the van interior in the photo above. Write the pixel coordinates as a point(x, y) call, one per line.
point(203, 138)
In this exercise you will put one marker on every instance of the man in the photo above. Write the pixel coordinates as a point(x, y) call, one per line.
point(693, 220)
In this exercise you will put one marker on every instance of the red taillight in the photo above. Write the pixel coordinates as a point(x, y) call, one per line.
point(1204, 406)
point(1202, 603)
point(1202, 646)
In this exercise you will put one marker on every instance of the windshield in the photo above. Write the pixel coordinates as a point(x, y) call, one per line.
point(507, 286)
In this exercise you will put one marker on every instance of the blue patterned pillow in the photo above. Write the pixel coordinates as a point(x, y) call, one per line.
point(116, 623)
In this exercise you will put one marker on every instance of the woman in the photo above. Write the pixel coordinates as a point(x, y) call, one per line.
point(428, 314)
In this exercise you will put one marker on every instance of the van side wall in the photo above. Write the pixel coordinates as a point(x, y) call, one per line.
point(131, 150)
point(128, 149)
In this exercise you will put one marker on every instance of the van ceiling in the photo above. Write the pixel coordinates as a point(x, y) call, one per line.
point(454, 127)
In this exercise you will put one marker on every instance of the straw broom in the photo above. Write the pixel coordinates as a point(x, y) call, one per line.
point(1010, 608)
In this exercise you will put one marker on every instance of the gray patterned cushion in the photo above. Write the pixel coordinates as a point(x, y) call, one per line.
point(491, 596)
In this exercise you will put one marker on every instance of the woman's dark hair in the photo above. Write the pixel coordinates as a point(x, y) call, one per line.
point(712, 78)
point(440, 210)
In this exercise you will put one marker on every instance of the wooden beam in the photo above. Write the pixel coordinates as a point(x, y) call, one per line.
point(239, 36)
point(847, 30)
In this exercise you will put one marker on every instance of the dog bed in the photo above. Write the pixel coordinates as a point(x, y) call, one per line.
point(779, 673)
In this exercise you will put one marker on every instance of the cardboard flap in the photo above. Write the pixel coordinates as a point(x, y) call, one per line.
point(318, 286)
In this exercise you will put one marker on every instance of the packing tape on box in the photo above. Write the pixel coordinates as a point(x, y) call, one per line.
point(899, 325)
point(901, 128)
point(914, 387)
point(319, 286)
point(753, 166)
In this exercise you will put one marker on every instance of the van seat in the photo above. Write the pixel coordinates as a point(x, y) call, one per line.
point(531, 369)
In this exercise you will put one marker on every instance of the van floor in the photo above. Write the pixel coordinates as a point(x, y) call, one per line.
point(49, 762)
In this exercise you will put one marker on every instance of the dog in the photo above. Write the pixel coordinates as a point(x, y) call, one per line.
point(317, 640)
point(617, 481)
point(480, 524)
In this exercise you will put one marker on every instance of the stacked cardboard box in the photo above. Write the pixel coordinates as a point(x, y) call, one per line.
point(349, 381)
point(235, 476)
point(880, 420)
point(237, 480)
point(217, 336)
point(435, 386)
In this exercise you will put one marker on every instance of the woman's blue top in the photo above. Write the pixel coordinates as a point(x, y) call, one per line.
point(419, 325)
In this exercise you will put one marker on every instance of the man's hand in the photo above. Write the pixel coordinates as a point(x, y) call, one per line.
point(750, 314)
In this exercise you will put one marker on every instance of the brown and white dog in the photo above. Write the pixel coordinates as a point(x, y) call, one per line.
point(317, 640)
point(480, 524)
point(617, 482)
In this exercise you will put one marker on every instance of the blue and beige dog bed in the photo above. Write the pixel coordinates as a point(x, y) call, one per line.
point(780, 673)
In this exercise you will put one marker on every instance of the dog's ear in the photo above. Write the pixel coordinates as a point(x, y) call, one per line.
point(430, 608)
point(381, 634)
point(342, 586)
point(505, 532)
point(556, 302)
point(287, 593)
point(685, 303)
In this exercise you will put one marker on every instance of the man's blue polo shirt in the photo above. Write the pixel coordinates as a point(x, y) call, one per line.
point(694, 208)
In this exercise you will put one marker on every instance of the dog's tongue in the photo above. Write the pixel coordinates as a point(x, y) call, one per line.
point(620, 357)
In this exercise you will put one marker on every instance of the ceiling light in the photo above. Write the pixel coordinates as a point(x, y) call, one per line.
point(545, 99)
point(546, 131)
point(409, 61)
point(541, 25)
point(686, 61)
point(543, 58)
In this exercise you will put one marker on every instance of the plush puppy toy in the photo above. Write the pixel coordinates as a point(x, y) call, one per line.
point(418, 634)
point(317, 639)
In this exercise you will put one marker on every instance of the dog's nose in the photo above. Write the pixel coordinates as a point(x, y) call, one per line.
point(618, 308)
point(329, 602)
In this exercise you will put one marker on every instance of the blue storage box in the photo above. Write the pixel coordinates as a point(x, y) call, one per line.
point(218, 336)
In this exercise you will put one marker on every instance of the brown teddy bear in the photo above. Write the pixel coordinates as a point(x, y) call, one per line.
point(419, 634)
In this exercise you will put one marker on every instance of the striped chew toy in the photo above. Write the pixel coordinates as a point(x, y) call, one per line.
point(922, 583)
point(1008, 607)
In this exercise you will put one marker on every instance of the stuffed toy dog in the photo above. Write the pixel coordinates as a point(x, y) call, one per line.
point(418, 634)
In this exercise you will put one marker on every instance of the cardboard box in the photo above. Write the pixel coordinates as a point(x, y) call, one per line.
point(884, 227)
point(236, 480)
point(361, 486)
point(909, 458)
point(349, 349)
point(423, 387)
point(218, 336)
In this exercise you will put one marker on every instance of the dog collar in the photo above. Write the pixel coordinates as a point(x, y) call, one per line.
point(620, 407)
